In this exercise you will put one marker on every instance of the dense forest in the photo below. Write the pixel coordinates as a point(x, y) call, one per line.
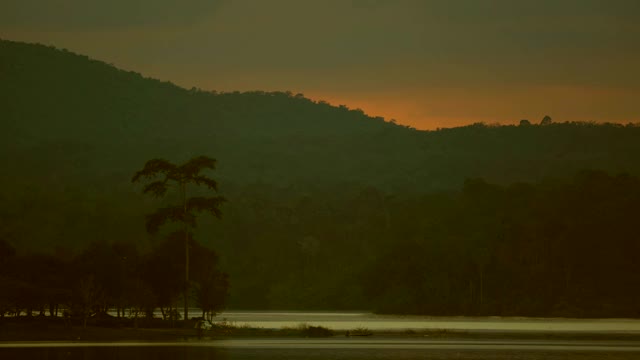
point(328, 208)
point(556, 248)
point(110, 276)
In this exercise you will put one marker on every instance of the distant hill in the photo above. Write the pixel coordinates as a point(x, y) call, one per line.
point(75, 109)
point(54, 98)
point(74, 130)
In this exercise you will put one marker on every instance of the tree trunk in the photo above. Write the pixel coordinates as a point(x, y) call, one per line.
point(186, 255)
point(481, 285)
point(567, 280)
point(172, 315)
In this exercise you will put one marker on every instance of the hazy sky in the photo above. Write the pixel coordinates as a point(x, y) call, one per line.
point(425, 63)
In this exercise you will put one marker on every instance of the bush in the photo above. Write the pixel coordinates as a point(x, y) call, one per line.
point(318, 331)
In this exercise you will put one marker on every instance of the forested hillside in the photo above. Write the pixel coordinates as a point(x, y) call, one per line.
point(320, 197)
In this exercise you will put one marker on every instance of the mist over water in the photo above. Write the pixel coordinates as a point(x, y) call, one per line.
point(352, 320)
point(349, 320)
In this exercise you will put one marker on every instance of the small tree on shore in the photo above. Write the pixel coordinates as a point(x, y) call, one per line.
point(212, 286)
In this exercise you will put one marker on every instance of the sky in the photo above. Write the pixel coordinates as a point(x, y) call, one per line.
point(425, 63)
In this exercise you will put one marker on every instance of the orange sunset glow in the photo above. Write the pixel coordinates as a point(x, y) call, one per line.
point(422, 63)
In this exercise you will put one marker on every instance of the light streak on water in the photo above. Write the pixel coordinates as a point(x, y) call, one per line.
point(348, 321)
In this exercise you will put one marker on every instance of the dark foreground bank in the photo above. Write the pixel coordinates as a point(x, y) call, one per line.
point(334, 348)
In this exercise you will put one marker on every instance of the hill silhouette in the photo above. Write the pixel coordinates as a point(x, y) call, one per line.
point(307, 182)
point(59, 102)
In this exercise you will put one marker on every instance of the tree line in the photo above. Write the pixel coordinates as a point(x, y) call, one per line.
point(110, 276)
point(115, 275)
point(559, 247)
point(555, 248)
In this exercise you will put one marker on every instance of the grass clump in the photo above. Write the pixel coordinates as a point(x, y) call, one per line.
point(318, 331)
point(306, 330)
point(359, 331)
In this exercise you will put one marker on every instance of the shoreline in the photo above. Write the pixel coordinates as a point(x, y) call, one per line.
point(34, 331)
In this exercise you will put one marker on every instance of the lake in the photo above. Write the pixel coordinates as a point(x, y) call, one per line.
point(375, 347)
point(352, 320)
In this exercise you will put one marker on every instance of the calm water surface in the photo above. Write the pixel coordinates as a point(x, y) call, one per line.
point(324, 349)
point(352, 320)
point(340, 347)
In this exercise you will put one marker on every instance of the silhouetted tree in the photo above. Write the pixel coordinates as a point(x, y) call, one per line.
point(7, 283)
point(211, 290)
point(162, 270)
point(6, 251)
point(183, 213)
point(89, 297)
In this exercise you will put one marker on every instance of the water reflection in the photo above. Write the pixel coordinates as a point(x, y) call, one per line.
point(352, 320)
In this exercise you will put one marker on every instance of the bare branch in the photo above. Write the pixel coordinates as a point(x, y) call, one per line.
point(206, 204)
point(154, 167)
point(192, 168)
point(156, 188)
point(208, 182)
point(179, 235)
point(168, 214)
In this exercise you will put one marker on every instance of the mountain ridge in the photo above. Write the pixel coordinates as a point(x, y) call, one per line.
point(57, 96)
